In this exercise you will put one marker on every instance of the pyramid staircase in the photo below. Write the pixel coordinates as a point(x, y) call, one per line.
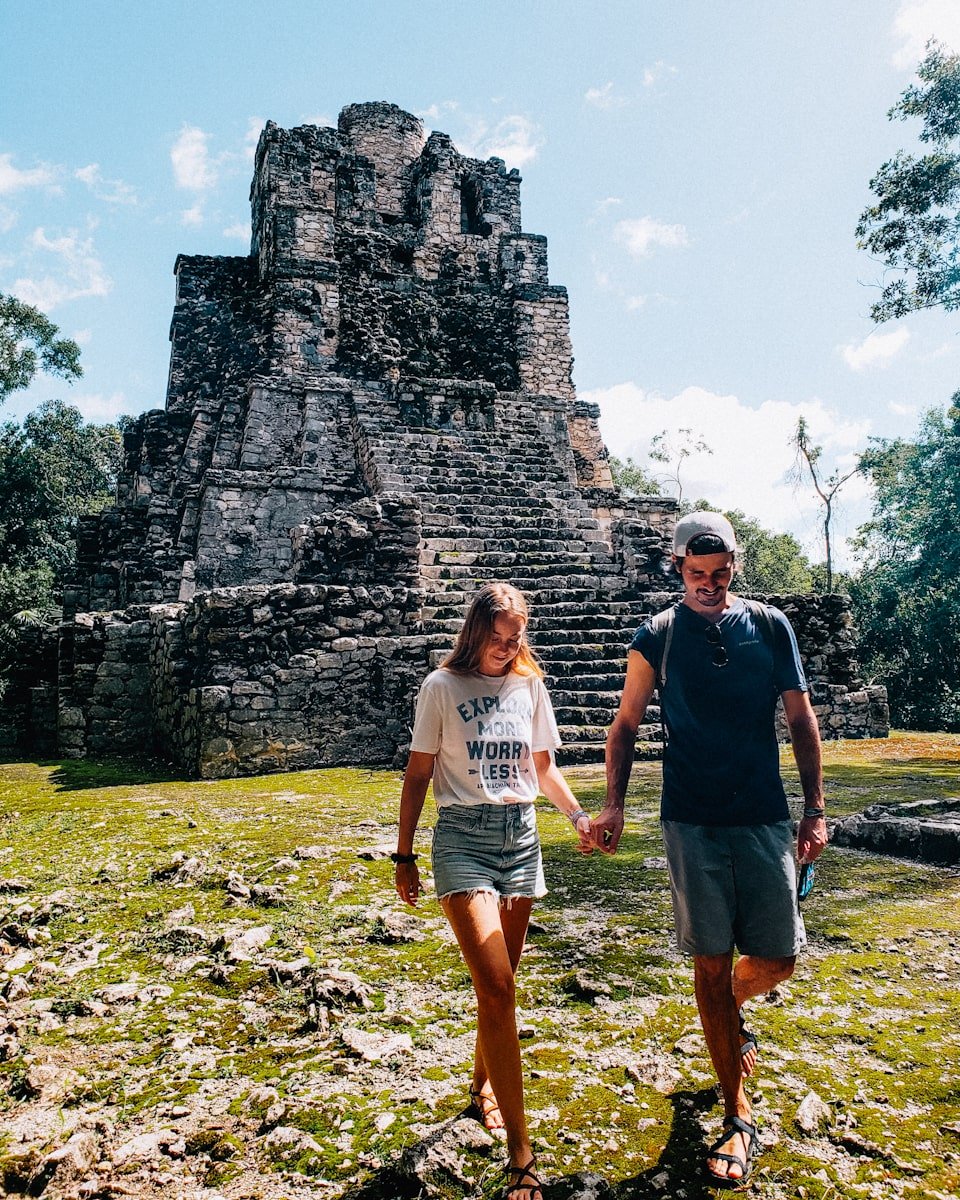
point(500, 505)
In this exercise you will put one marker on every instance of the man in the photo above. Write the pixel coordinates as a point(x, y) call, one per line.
point(726, 825)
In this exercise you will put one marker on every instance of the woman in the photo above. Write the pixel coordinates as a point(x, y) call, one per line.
point(485, 733)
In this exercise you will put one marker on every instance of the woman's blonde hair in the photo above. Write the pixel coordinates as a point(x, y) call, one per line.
point(490, 602)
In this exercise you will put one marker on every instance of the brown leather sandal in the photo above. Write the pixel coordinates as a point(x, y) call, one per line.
point(482, 1105)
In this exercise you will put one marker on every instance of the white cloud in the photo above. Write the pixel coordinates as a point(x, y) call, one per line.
point(112, 191)
point(653, 75)
point(240, 231)
point(193, 167)
point(192, 215)
point(514, 139)
point(750, 467)
point(919, 20)
point(876, 349)
point(83, 337)
point(602, 207)
point(642, 234)
point(321, 120)
point(80, 272)
point(252, 136)
point(903, 410)
point(12, 179)
point(604, 97)
point(8, 218)
point(99, 408)
point(635, 303)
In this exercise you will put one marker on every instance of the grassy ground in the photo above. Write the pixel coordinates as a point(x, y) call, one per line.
point(618, 1080)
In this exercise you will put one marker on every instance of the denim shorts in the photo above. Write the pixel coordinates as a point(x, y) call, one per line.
point(734, 886)
point(487, 848)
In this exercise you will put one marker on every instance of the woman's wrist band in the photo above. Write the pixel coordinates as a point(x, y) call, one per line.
point(403, 858)
point(813, 813)
point(575, 816)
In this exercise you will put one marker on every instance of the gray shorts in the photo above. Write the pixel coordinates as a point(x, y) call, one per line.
point(487, 848)
point(734, 886)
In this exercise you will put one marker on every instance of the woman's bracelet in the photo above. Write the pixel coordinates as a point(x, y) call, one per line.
point(813, 814)
point(575, 816)
point(403, 858)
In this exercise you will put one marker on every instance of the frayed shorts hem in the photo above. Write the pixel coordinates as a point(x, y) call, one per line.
point(503, 900)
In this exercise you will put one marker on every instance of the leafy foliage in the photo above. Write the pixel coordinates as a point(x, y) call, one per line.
point(52, 469)
point(908, 595)
point(29, 343)
point(914, 227)
point(632, 479)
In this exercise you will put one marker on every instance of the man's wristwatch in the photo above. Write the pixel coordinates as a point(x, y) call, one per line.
point(814, 814)
point(403, 858)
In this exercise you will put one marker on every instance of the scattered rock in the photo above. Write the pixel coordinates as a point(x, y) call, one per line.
point(339, 989)
point(16, 989)
point(179, 870)
point(584, 1185)
point(144, 1147)
point(582, 986)
point(374, 1047)
point(435, 1161)
point(390, 928)
point(71, 1161)
point(240, 946)
point(285, 1143)
point(814, 1114)
point(119, 993)
point(236, 886)
point(12, 886)
point(306, 852)
point(267, 894)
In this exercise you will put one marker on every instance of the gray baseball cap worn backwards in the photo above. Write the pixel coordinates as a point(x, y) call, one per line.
point(707, 525)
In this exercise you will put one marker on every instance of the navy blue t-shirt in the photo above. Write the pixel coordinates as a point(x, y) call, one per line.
point(721, 764)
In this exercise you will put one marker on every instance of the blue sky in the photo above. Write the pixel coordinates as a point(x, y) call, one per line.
point(698, 169)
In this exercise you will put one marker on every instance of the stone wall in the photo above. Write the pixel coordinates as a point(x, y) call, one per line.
point(104, 684)
point(296, 676)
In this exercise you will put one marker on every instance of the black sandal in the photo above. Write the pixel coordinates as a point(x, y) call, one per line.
point(520, 1184)
point(748, 1038)
point(731, 1126)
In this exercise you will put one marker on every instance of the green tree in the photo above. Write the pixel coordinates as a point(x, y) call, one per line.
point(52, 469)
point(914, 226)
point(28, 344)
point(672, 450)
point(907, 597)
point(632, 479)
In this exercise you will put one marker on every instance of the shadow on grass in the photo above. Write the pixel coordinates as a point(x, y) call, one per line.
point(681, 1161)
point(76, 774)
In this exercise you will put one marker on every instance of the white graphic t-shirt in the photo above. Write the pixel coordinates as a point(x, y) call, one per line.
point(484, 730)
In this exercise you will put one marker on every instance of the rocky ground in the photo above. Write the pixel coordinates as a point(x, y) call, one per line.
point(209, 990)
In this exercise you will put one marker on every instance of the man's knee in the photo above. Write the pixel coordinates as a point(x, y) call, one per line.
point(779, 969)
point(713, 970)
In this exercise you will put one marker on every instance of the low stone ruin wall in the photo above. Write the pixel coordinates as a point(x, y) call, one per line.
point(928, 831)
point(845, 705)
point(296, 676)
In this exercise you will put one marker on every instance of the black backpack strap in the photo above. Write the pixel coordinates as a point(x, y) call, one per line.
point(663, 625)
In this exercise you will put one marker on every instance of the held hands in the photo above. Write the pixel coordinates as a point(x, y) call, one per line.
point(812, 838)
point(584, 832)
point(606, 830)
point(407, 882)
